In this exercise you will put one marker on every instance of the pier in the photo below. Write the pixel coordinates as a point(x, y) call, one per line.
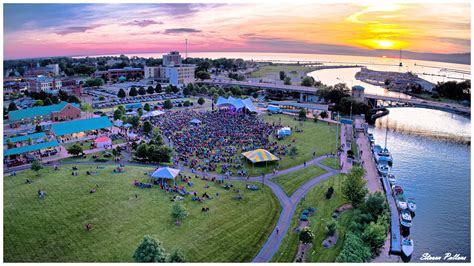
point(395, 241)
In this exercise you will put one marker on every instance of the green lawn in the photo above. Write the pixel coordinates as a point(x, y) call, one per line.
point(329, 162)
point(87, 145)
point(318, 221)
point(52, 230)
point(266, 70)
point(291, 182)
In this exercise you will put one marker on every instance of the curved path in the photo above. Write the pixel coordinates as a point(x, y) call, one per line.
point(288, 204)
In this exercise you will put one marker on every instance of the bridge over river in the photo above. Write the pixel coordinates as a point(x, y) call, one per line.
point(373, 98)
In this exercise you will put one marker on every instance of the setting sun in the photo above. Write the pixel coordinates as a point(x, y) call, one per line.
point(384, 43)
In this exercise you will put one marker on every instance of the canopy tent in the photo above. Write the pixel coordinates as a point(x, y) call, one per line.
point(132, 135)
point(127, 125)
point(122, 78)
point(195, 121)
point(118, 123)
point(165, 173)
point(100, 142)
point(283, 132)
point(260, 155)
point(131, 113)
point(236, 103)
point(152, 114)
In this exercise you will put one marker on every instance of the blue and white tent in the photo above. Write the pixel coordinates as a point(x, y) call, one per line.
point(237, 103)
point(195, 121)
point(165, 173)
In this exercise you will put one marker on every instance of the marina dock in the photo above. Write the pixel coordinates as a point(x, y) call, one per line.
point(395, 241)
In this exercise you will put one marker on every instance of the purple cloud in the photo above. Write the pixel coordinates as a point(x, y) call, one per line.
point(75, 29)
point(181, 30)
point(143, 23)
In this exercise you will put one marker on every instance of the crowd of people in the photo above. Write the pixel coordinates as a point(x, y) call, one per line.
point(218, 139)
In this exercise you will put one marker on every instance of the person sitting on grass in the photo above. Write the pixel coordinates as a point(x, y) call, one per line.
point(88, 227)
point(92, 190)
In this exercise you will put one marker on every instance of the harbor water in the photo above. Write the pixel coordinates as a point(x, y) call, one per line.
point(434, 171)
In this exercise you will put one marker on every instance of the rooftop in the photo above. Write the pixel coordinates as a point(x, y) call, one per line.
point(37, 111)
point(75, 126)
point(24, 138)
point(29, 148)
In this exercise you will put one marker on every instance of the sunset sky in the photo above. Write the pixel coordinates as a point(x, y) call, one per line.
point(35, 30)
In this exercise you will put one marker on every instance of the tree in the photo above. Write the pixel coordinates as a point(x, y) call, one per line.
point(203, 75)
point(354, 186)
point(255, 95)
point(47, 102)
point(221, 92)
point(302, 114)
point(176, 256)
point(147, 107)
point(75, 149)
point(178, 212)
point(94, 82)
point(187, 103)
point(306, 235)
point(134, 121)
point(158, 88)
point(150, 90)
point(353, 250)
point(36, 166)
point(168, 104)
point(141, 91)
point(12, 106)
point(323, 114)
point(287, 81)
point(201, 101)
point(186, 90)
point(87, 108)
point(147, 127)
point(118, 114)
point(374, 205)
point(157, 153)
point(38, 103)
point(38, 128)
point(73, 99)
point(133, 91)
point(149, 250)
point(331, 228)
point(121, 93)
point(374, 236)
point(282, 75)
point(307, 81)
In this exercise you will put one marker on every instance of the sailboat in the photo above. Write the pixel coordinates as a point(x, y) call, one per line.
point(384, 153)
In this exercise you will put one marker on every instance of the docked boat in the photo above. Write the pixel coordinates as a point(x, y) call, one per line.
point(382, 154)
point(405, 219)
point(391, 179)
point(376, 149)
point(411, 205)
point(400, 198)
point(407, 247)
point(383, 169)
point(371, 138)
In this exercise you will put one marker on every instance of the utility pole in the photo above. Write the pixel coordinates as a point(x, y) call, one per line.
point(186, 55)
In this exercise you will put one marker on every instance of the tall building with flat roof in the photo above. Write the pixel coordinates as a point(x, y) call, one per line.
point(172, 58)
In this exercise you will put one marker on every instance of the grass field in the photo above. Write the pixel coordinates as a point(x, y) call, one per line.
point(292, 181)
point(52, 230)
point(329, 162)
point(266, 70)
point(318, 221)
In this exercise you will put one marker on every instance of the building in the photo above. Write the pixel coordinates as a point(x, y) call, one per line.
point(115, 73)
point(49, 70)
point(48, 84)
point(13, 86)
point(357, 93)
point(81, 128)
point(34, 115)
point(172, 71)
point(172, 59)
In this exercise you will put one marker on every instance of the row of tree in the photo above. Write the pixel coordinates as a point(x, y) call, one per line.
point(369, 225)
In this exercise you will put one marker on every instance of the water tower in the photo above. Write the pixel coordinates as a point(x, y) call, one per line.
point(358, 93)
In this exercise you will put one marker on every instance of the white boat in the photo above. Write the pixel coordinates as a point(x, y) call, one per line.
point(405, 219)
point(391, 179)
point(401, 202)
point(407, 246)
point(411, 204)
point(382, 169)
